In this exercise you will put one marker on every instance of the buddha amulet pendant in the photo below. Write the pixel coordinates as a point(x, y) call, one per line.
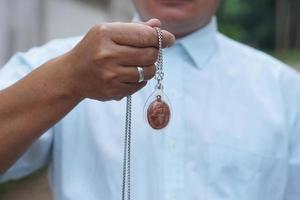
point(158, 113)
point(157, 109)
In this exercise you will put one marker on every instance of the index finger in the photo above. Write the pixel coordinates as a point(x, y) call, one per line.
point(139, 35)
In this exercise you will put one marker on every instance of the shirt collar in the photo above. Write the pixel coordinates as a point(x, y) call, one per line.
point(199, 45)
point(202, 44)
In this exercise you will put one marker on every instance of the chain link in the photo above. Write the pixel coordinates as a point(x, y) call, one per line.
point(159, 75)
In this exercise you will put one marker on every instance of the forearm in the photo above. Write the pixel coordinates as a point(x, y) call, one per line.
point(31, 106)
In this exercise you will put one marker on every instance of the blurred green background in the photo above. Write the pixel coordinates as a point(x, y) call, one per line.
point(270, 25)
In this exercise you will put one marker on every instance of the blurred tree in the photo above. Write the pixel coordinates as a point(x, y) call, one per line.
point(288, 25)
point(104, 3)
point(249, 21)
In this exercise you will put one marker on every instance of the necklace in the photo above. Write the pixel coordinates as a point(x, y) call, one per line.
point(157, 108)
point(157, 112)
point(127, 151)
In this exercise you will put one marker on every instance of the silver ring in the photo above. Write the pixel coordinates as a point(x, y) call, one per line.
point(141, 74)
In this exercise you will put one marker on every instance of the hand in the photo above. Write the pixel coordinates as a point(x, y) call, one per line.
point(103, 65)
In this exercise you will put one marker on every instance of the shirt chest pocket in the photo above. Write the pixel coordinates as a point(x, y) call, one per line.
point(231, 164)
point(233, 170)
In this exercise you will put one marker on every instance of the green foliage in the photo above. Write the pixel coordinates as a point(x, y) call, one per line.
point(104, 3)
point(249, 21)
point(291, 57)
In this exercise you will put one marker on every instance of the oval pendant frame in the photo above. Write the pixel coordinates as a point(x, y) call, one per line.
point(151, 99)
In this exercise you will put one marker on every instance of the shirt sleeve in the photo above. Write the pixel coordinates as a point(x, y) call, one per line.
point(19, 66)
point(291, 91)
point(38, 154)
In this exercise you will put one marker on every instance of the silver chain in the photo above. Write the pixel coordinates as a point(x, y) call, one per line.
point(159, 75)
point(127, 151)
point(127, 142)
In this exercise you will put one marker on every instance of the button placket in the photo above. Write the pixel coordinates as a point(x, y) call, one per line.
point(174, 157)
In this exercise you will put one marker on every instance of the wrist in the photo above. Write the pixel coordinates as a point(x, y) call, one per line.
point(66, 78)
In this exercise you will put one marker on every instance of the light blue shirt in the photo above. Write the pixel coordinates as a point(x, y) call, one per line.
point(234, 132)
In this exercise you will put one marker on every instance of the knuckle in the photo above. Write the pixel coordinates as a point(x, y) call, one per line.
point(100, 31)
point(95, 28)
point(103, 54)
point(111, 76)
point(108, 77)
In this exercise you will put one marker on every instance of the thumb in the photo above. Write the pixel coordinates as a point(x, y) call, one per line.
point(170, 38)
point(153, 23)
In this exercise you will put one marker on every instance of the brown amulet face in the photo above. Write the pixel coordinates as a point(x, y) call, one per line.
point(158, 114)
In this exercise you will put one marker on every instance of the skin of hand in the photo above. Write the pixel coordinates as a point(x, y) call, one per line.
point(107, 71)
point(101, 66)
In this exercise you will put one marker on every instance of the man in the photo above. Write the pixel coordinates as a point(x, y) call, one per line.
point(234, 132)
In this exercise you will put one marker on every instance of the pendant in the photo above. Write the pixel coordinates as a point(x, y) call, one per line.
point(157, 110)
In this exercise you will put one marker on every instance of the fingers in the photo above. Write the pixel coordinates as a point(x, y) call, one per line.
point(131, 88)
point(127, 89)
point(130, 74)
point(168, 39)
point(153, 23)
point(138, 35)
point(135, 56)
